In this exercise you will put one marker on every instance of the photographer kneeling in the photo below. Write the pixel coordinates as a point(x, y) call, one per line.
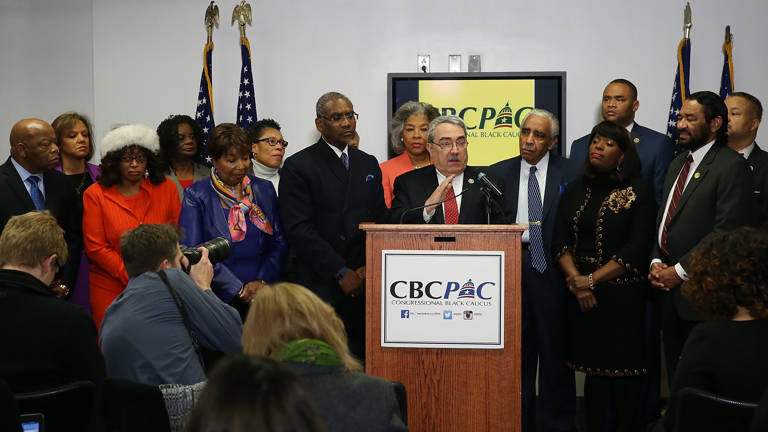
point(151, 332)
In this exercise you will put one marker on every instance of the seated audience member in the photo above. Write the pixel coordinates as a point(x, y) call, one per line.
point(418, 194)
point(181, 151)
point(239, 207)
point(145, 336)
point(268, 149)
point(728, 283)
point(73, 136)
point(408, 137)
point(46, 342)
point(131, 191)
point(28, 181)
point(290, 323)
point(248, 393)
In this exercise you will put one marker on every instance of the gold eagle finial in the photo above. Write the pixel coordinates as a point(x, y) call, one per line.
point(242, 14)
point(211, 19)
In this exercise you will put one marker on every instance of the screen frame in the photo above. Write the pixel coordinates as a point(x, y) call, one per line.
point(559, 75)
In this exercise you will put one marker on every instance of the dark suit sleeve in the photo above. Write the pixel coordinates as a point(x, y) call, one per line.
point(276, 244)
point(402, 202)
point(734, 206)
point(298, 220)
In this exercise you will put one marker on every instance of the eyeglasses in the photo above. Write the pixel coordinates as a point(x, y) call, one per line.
point(274, 141)
point(338, 117)
point(129, 159)
point(447, 143)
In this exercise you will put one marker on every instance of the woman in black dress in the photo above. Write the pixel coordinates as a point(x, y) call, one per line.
point(603, 236)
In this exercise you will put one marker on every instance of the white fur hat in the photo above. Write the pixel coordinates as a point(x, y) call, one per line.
point(128, 135)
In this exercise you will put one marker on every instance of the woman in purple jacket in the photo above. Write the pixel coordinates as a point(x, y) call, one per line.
point(240, 208)
point(73, 135)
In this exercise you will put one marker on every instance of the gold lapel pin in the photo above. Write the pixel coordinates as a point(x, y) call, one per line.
point(696, 175)
point(637, 140)
point(471, 181)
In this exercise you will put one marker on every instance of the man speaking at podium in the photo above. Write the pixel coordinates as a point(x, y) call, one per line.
point(533, 182)
point(445, 192)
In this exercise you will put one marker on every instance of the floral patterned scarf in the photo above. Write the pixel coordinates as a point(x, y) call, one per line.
point(238, 209)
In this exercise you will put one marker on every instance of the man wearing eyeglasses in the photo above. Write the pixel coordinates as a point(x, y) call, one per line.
point(446, 192)
point(326, 191)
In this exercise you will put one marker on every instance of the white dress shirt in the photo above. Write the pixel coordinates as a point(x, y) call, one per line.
point(24, 174)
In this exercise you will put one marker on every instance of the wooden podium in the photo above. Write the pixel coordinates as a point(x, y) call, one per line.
point(450, 389)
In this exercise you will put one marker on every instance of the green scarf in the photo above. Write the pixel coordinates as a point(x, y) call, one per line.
point(310, 351)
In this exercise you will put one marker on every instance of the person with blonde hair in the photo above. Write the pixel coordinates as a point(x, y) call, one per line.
point(46, 342)
point(288, 322)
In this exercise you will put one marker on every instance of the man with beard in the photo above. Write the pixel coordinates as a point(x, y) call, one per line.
point(655, 149)
point(326, 191)
point(28, 181)
point(707, 190)
point(443, 181)
point(744, 115)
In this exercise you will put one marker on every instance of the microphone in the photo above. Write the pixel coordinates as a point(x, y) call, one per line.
point(430, 204)
point(489, 185)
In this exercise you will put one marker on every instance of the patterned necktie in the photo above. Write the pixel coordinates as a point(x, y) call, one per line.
point(538, 259)
point(676, 194)
point(345, 160)
point(450, 207)
point(34, 192)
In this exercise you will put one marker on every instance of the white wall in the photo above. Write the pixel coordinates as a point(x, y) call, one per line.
point(139, 61)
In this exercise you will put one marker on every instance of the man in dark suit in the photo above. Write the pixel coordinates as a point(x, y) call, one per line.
point(708, 190)
point(445, 179)
point(656, 150)
point(46, 342)
point(532, 183)
point(744, 115)
point(326, 191)
point(28, 181)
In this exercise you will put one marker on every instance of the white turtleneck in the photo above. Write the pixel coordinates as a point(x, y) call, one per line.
point(262, 171)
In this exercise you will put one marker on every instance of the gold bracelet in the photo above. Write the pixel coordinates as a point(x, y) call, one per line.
point(591, 284)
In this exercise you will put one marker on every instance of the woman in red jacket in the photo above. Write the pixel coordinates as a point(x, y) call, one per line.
point(131, 190)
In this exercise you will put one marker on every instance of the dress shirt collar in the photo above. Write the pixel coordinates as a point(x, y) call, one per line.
point(541, 166)
point(24, 174)
point(337, 151)
point(630, 127)
point(699, 153)
point(746, 151)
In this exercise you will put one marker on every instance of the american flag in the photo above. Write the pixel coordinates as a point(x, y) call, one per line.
point(726, 80)
point(246, 102)
point(680, 90)
point(204, 111)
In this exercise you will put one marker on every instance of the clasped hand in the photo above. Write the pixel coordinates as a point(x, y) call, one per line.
point(578, 285)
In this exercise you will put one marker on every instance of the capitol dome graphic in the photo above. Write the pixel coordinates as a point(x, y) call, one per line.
point(505, 119)
point(467, 290)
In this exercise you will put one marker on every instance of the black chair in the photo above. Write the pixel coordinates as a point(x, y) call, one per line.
point(68, 407)
point(402, 400)
point(702, 411)
point(9, 412)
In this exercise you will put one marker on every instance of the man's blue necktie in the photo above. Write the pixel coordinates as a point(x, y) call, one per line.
point(34, 192)
point(345, 160)
point(538, 259)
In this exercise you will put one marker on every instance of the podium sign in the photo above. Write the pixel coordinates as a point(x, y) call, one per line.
point(442, 299)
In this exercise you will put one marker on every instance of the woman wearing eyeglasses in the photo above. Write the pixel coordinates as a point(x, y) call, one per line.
point(268, 149)
point(240, 208)
point(131, 190)
point(181, 151)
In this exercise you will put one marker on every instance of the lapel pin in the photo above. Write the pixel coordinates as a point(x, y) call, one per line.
point(471, 181)
point(751, 167)
point(696, 175)
point(637, 140)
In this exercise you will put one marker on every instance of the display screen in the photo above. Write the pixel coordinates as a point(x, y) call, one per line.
point(491, 104)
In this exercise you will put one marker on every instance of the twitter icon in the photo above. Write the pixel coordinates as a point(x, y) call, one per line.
point(447, 314)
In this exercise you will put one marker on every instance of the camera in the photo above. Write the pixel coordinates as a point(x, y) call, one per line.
point(218, 250)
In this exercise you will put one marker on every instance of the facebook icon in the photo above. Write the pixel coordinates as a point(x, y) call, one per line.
point(405, 313)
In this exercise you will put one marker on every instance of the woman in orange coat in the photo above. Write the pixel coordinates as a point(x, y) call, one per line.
point(408, 135)
point(131, 190)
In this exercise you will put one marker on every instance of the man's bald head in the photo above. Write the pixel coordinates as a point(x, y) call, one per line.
point(33, 145)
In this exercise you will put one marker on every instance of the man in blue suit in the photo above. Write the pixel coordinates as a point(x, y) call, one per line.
point(532, 183)
point(656, 150)
point(326, 191)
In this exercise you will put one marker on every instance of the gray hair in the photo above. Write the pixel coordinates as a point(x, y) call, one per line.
point(403, 113)
point(555, 124)
point(322, 103)
point(445, 119)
